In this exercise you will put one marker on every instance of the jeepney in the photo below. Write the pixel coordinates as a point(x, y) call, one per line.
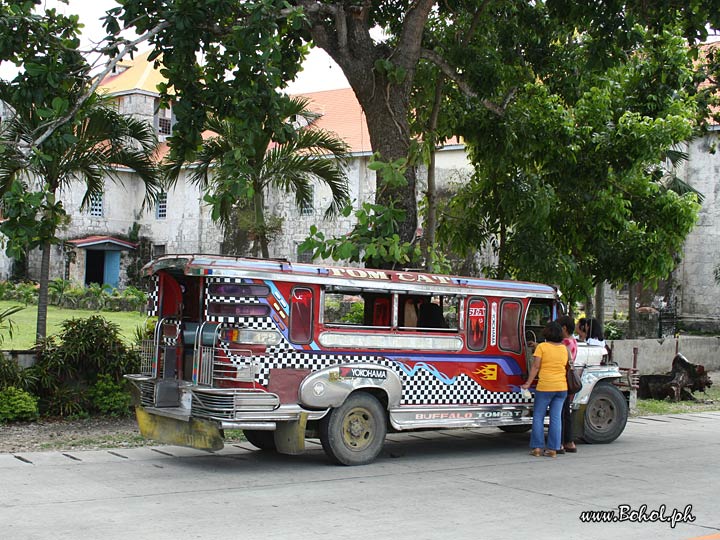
point(284, 351)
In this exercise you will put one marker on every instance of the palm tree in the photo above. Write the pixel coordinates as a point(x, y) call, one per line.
point(88, 150)
point(305, 154)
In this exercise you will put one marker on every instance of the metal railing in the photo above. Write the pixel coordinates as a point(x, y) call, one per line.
point(147, 358)
point(213, 365)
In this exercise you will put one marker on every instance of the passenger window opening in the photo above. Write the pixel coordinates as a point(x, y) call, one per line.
point(358, 309)
point(438, 312)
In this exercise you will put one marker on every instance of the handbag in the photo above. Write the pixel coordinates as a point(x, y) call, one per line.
point(574, 382)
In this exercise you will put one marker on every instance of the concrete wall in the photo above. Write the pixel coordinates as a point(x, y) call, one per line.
point(655, 355)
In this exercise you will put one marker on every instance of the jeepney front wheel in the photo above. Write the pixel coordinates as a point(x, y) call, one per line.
point(354, 433)
point(605, 415)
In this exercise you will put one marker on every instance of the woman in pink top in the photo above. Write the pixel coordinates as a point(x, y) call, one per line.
point(567, 324)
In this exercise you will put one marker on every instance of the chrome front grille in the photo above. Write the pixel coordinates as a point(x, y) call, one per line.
point(227, 404)
point(147, 393)
point(209, 405)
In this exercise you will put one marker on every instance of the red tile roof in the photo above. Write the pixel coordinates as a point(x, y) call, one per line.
point(95, 240)
point(342, 114)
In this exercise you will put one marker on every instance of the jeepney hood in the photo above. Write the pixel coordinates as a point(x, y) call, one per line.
point(590, 355)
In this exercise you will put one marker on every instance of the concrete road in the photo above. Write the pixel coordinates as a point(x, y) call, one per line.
point(476, 484)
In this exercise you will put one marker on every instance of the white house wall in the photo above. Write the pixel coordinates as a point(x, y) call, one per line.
point(188, 226)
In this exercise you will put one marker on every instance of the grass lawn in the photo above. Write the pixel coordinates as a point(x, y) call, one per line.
point(26, 320)
point(709, 401)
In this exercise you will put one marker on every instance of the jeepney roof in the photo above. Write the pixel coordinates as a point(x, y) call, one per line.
point(339, 276)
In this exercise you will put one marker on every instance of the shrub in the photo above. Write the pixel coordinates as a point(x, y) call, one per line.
point(110, 398)
point(11, 374)
point(26, 292)
point(613, 330)
point(57, 288)
point(6, 324)
point(17, 405)
point(68, 367)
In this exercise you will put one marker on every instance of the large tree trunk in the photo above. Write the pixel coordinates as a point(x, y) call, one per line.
point(431, 218)
point(381, 78)
point(41, 329)
point(600, 303)
point(260, 243)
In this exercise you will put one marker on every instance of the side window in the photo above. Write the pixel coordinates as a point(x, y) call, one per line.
point(477, 324)
point(510, 311)
point(437, 312)
point(301, 308)
point(355, 308)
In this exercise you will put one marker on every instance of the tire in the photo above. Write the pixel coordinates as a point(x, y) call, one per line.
point(264, 440)
point(518, 428)
point(605, 415)
point(354, 433)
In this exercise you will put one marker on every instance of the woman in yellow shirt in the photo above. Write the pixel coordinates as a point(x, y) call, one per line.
point(549, 360)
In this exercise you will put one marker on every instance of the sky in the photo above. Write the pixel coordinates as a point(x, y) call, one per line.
point(320, 72)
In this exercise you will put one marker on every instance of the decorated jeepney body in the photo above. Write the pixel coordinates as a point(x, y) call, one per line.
point(281, 350)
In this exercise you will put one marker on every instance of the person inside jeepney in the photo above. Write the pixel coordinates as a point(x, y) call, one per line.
point(430, 315)
point(567, 324)
point(410, 312)
point(549, 360)
point(590, 331)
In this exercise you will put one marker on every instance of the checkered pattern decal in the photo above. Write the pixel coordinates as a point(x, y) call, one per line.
point(152, 305)
point(226, 300)
point(419, 385)
point(419, 388)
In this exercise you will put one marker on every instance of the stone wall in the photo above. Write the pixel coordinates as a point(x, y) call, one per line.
point(655, 356)
point(698, 294)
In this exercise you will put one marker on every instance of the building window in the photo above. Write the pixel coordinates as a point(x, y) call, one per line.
point(164, 126)
point(96, 204)
point(308, 208)
point(164, 122)
point(158, 250)
point(304, 256)
point(161, 206)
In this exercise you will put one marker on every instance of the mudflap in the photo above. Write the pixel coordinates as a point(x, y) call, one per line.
point(290, 436)
point(195, 433)
point(578, 422)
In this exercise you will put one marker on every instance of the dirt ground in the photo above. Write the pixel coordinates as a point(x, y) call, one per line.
point(85, 434)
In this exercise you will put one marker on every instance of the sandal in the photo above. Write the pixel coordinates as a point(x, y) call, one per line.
point(571, 449)
point(550, 453)
point(537, 452)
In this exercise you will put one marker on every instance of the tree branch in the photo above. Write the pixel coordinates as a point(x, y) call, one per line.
point(464, 87)
point(129, 46)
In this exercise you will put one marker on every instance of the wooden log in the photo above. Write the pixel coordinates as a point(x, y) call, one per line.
point(678, 385)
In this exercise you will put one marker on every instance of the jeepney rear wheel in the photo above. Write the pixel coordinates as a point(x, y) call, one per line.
point(264, 440)
point(605, 415)
point(354, 433)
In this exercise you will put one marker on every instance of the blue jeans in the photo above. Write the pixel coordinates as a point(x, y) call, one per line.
point(543, 400)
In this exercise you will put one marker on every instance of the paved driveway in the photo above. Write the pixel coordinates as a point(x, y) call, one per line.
point(461, 484)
